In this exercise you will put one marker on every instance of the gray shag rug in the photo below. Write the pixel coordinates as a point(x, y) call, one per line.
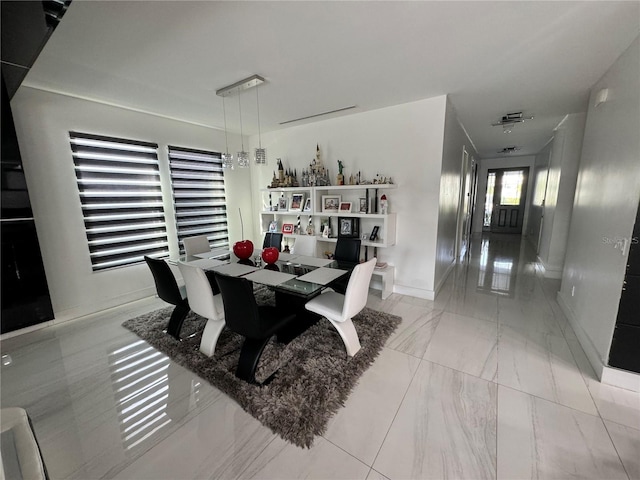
point(313, 375)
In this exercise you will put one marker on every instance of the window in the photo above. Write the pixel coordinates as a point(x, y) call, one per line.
point(199, 195)
point(121, 198)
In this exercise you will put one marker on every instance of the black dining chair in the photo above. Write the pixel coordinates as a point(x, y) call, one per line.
point(256, 323)
point(272, 240)
point(347, 251)
point(168, 290)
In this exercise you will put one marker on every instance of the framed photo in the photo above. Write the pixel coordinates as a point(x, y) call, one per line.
point(363, 205)
point(283, 204)
point(273, 226)
point(348, 227)
point(307, 205)
point(331, 203)
point(287, 228)
point(374, 233)
point(345, 207)
point(297, 200)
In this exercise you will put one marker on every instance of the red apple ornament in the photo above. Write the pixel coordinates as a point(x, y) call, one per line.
point(243, 249)
point(270, 255)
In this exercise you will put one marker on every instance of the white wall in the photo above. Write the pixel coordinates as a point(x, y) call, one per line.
point(541, 176)
point(43, 121)
point(404, 142)
point(566, 148)
point(455, 139)
point(487, 164)
point(606, 200)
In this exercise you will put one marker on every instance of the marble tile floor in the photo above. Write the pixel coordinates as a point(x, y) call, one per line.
point(487, 381)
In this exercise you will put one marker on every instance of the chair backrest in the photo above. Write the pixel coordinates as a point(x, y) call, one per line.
point(166, 284)
point(200, 293)
point(193, 245)
point(272, 240)
point(355, 298)
point(347, 250)
point(240, 308)
point(305, 245)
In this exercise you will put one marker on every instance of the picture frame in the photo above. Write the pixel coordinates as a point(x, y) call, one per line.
point(283, 204)
point(307, 205)
point(287, 228)
point(363, 205)
point(331, 203)
point(374, 234)
point(297, 202)
point(348, 227)
point(273, 226)
point(345, 207)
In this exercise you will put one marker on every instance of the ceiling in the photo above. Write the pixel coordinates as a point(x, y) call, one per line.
point(492, 58)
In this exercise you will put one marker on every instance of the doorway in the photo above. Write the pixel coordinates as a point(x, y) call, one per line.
point(505, 200)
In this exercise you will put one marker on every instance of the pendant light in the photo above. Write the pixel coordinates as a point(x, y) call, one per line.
point(243, 157)
point(237, 88)
point(227, 158)
point(260, 153)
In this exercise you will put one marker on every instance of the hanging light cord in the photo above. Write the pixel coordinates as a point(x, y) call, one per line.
point(241, 134)
point(224, 112)
point(258, 107)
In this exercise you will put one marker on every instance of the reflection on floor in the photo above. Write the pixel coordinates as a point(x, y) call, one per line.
point(487, 381)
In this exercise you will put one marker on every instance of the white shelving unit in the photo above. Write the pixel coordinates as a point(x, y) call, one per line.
point(348, 193)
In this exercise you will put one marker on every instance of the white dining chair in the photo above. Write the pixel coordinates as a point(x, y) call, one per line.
point(340, 309)
point(205, 303)
point(305, 245)
point(193, 245)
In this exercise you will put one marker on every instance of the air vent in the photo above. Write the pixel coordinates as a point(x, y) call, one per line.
point(510, 149)
point(318, 114)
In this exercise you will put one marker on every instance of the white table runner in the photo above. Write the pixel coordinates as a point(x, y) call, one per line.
point(269, 277)
point(322, 275)
point(312, 261)
point(206, 263)
point(235, 269)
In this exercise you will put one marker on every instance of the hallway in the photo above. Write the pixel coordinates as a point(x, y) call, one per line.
point(487, 381)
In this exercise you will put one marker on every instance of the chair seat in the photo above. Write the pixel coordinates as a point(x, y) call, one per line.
point(329, 305)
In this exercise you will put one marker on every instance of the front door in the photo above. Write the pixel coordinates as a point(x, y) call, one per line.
point(506, 195)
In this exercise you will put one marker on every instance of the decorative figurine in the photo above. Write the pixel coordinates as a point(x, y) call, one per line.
point(383, 204)
point(340, 177)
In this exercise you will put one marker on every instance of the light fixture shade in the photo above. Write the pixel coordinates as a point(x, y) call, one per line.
point(243, 159)
point(227, 161)
point(260, 156)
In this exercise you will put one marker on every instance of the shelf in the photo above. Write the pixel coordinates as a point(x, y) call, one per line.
point(280, 212)
point(353, 214)
point(357, 187)
point(364, 243)
point(286, 189)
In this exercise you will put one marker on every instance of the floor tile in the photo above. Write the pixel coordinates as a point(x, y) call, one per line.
point(528, 315)
point(373, 475)
point(465, 344)
point(414, 333)
point(220, 443)
point(281, 460)
point(541, 365)
point(541, 439)
point(627, 443)
point(360, 427)
point(616, 404)
point(445, 428)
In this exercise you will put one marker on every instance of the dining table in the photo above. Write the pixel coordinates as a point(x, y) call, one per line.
point(294, 279)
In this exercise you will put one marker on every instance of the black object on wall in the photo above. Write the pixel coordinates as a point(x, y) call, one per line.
point(25, 293)
point(625, 346)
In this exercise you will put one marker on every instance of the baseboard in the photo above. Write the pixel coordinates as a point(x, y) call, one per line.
point(621, 378)
point(587, 345)
point(85, 310)
point(444, 278)
point(414, 292)
point(549, 271)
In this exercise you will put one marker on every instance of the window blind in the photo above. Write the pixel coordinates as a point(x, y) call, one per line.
point(199, 197)
point(121, 198)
